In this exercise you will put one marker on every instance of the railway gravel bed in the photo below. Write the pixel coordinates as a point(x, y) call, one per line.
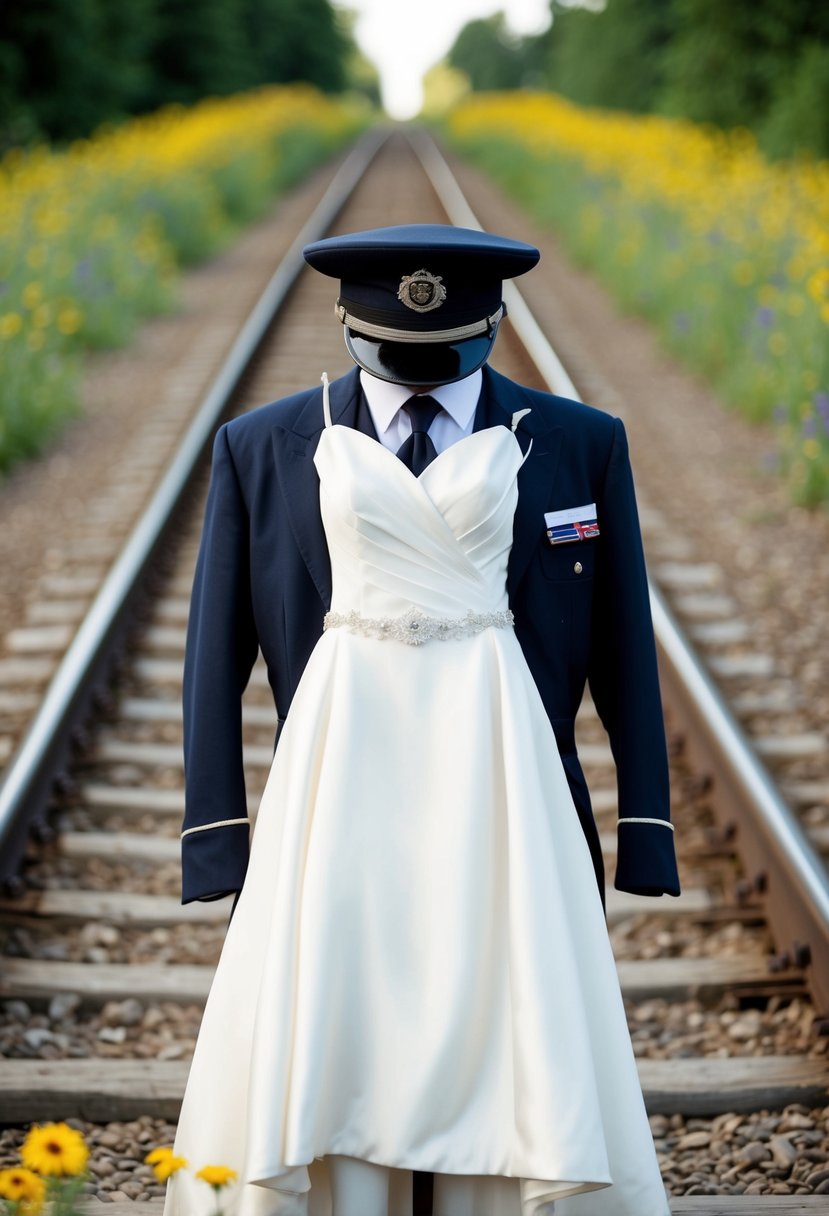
point(768, 1153)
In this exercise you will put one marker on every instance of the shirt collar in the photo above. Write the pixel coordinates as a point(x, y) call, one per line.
point(458, 399)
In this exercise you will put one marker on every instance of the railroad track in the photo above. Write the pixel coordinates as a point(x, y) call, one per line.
point(94, 933)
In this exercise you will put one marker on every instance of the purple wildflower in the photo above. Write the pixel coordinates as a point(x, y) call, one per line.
point(682, 321)
point(780, 413)
point(809, 427)
point(822, 407)
point(764, 316)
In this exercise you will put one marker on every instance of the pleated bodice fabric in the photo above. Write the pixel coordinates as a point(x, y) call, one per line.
point(418, 970)
point(439, 542)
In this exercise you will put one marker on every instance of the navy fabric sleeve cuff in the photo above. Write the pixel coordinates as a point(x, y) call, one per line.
point(645, 859)
point(214, 861)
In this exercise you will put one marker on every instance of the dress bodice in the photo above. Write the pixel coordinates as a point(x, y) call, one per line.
point(438, 543)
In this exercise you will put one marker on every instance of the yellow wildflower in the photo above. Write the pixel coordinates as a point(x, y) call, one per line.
point(32, 295)
point(216, 1176)
point(23, 1187)
point(165, 1163)
point(69, 320)
point(36, 257)
point(778, 343)
point(744, 273)
point(818, 285)
point(811, 449)
point(10, 324)
point(36, 339)
point(55, 1148)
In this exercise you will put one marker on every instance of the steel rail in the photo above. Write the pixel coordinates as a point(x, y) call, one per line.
point(788, 874)
point(43, 751)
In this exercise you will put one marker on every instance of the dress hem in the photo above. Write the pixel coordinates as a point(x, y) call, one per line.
point(269, 1178)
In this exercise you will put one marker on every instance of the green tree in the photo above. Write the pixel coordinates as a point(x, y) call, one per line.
point(488, 54)
point(65, 65)
point(611, 57)
point(198, 50)
point(297, 40)
point(798, 115)
point(730, 63)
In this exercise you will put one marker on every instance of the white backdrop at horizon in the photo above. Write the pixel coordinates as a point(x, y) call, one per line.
point(404, 38)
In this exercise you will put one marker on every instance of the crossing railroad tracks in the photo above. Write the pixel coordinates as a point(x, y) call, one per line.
point(103, 971)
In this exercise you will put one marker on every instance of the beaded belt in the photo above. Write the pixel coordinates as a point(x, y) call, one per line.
point(415, 628)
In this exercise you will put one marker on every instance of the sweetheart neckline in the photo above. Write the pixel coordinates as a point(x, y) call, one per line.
point(417, 477)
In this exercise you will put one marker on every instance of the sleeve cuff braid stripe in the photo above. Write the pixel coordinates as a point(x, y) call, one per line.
point(633, 819)
point(220, 823)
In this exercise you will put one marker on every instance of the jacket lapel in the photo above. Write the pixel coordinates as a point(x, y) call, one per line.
point(500, 398)
point(294, 449)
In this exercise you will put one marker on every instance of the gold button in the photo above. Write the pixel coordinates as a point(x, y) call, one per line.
point(578, 567)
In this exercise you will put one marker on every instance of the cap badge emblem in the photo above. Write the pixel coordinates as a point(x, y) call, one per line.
point(421, 291)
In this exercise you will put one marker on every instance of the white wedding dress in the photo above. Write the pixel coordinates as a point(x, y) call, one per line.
point(418, 971)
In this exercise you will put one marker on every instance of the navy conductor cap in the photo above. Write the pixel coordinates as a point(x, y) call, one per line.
point(420, 303)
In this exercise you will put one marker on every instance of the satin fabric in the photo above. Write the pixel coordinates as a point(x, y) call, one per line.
point(418, 971)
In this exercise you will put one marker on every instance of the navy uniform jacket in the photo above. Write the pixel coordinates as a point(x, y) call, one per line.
point(263, 579)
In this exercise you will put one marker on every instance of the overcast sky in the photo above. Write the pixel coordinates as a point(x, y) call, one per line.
point(405, 37)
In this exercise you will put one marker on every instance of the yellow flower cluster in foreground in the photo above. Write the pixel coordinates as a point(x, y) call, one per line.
point(53, 1172)
point(90, 236)
point(165, 1164)
point(54, 1157)
point(726, 252)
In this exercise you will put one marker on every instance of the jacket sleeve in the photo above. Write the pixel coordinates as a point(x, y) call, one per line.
point(220, 652)
point(624, 683)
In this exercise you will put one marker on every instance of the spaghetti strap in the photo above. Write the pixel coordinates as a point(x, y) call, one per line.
point(326, 402)
point(516, 418)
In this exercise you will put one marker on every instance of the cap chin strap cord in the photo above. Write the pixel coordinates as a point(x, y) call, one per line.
point(386, 334)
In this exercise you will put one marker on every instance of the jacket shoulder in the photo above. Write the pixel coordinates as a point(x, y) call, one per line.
point(575, 417)
point(263, 418)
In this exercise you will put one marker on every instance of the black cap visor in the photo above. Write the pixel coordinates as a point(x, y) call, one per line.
point(420, 363)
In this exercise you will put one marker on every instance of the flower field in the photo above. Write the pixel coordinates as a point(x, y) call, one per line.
point(91, 236)
point(727, 254)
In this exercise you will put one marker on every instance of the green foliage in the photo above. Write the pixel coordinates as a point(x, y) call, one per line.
point(486, 52)
point(798, 116)
point(297, 40)
point(198, 50)
point(760, 64)
point(66, 66)
point(612, 58)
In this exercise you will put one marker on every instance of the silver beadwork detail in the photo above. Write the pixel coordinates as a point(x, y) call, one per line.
point(415, 628)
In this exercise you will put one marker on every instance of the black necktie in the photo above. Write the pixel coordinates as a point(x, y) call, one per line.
point(418, 451)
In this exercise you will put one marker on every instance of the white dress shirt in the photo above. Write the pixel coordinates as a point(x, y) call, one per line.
point(393, 425)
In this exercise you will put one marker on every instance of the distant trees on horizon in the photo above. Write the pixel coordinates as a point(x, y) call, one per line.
point(762, 64)
point(66, 66)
